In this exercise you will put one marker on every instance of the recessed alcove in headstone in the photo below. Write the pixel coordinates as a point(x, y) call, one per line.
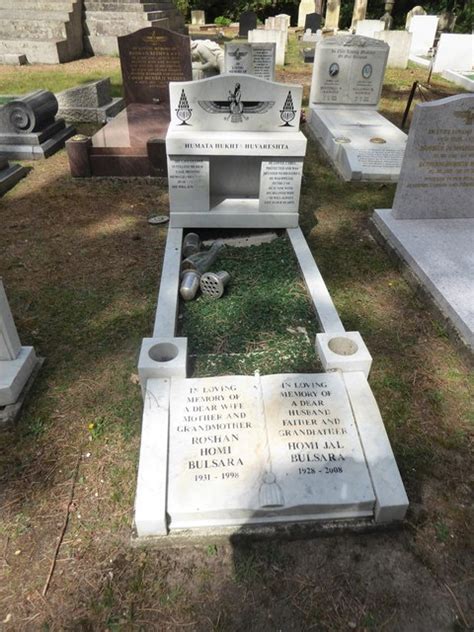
point(431, 223)
point(347, 82)
point(132, 144)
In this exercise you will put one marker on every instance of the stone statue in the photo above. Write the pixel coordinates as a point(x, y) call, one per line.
point(207, 57)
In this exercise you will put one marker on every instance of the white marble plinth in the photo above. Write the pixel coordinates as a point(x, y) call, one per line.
point(440, 254)
point(423, 29)
point(14, 374)
point(360, 143)
point(463, 79)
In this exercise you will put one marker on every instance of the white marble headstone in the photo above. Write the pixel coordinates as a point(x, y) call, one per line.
point(348, 70)
point(423, 28)
point(437, 176)
point(455, 51)
point(399, 43)
point(257, 59)
point(368, 28)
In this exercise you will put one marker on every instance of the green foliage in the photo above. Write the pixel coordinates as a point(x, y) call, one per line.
point(222, 21)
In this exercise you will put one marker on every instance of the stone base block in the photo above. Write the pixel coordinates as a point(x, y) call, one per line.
point(93, 115)
point(10, 176)
point(14, 374)
point(13, 59)
point(37, 151)
point(161, 358)
point(343, 352)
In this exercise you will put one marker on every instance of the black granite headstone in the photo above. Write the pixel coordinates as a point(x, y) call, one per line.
point(247, 22)
point(313, 22)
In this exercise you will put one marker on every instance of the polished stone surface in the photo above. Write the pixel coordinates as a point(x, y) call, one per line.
point(150, 59)
point(247, 22)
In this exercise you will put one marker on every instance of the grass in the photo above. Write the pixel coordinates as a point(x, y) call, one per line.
point(81, 267)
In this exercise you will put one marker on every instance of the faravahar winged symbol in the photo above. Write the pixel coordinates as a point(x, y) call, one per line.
point(238, 54)
point(235, 108)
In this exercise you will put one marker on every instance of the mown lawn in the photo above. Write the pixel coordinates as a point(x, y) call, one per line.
point(81, 266)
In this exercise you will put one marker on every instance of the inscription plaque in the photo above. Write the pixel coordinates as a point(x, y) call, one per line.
point(280, 182)
point(263, 449)
point(150, 58)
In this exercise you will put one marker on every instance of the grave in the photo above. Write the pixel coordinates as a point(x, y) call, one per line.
point(454, 50)
point(347, 82)
point(399, 43)
point(226, 454)
point(463, 79)
point(198, 18)
point(423, 29)
point(29, 129)
point(239, 182)
point(247, 22)
point(331, 20)
point(368, 28)
point(89, 103)
point(305, 8)
point(18, 363)
point(278, 37)
point(133, 143)
point(431, 223)
point(312, 22)
point(251, 59)
point(415, 11)
point(358, 14)
point(9, 175)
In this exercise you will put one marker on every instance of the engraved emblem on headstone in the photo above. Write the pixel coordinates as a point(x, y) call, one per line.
point(235, 108)
point(367, 71)
point(288, 113)
point(238, 54)
point(467, 115)
point(183, 111)
point(333, 70)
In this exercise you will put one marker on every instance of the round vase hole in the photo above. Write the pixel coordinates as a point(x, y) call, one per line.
point(343, 346)
point(163, 352)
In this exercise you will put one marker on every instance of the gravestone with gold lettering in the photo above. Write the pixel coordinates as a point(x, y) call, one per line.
point(431, 223)
point(347, 82)
point(133, 143)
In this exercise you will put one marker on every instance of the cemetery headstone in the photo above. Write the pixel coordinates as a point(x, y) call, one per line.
point(333, 9)
point(89, 103)
point(415, 11)
point(312, 22)
point(431, 224)
point(198, 18)
point(29, 129)
point(279, 38)
point(399, 43)
point(247, 22)
point(150, 59)
point(246, 182)
point(347, 82)
point(133, 143)
point(252, 59)
point(17, 362)
point(454, 50)
point(368, 28)
point(10, 174)
point(423, 29)
point(358, 15)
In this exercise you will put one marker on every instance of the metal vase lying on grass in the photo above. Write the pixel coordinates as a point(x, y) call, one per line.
point(213, 283)
point(189, 284)
point(202, 261)
point(191, 245)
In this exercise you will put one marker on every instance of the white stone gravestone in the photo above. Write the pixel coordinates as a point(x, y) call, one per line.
point(465, 79)
point(251, 59)
point(279, 38)
point(346, 86)
point(217, 122)
point(198, 18)
point(16, 362)
point(454, 51)
point(305, 7)
point(368, 28)
point(423, 28)
point(226, 452)
point(399, 43)
point(431, 224)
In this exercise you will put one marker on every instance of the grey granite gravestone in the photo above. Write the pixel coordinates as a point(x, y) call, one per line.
point(431, 224)
point(29, 129)
point(312, 22)
point(89, 103)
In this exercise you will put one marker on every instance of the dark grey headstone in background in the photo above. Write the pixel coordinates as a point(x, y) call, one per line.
point(313, 22)
point(247, 22)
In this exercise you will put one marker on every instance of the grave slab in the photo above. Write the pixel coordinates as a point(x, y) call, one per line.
point(347, 82)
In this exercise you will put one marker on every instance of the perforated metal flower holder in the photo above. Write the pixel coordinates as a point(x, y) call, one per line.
point(213, 283)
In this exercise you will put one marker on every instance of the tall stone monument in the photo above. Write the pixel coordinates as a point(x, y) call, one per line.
point(333, 8)
point(431, 223)
point(347, 82)
point(359, 12)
